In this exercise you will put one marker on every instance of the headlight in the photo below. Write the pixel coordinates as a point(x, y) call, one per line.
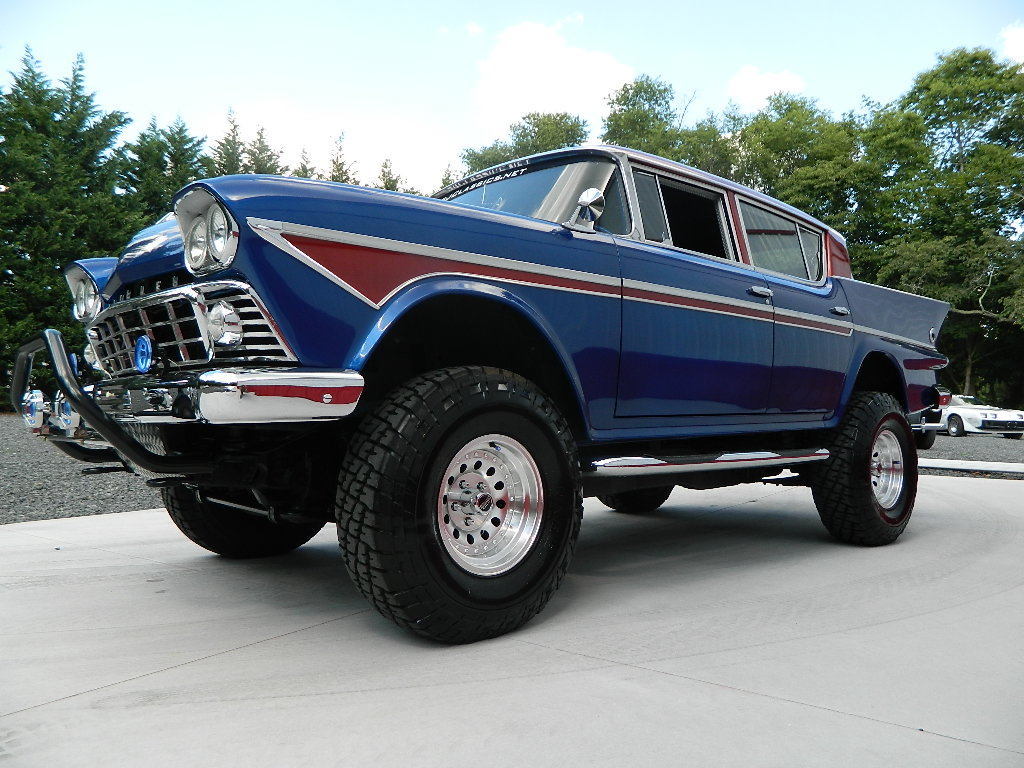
point(219, 234)
point(87, 301)
point(209, 234)
point(195, 246)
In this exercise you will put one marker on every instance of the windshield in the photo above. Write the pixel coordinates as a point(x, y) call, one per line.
point(968, 400)
point(549, 192)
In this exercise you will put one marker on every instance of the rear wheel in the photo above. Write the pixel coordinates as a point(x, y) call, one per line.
point(1014, 436)
point(865, 490)
point(231, 532)
point(925, 439)
point(955, 426)
point(639, 501)
point(459, 503)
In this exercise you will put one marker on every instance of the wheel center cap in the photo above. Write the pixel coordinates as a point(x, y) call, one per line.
point(483, 502)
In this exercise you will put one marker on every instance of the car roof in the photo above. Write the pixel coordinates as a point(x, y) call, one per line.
point(656, 162)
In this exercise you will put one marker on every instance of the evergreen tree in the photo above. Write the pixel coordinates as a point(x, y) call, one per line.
point(341, 170)
point(260, 157)
point(387, 178)
point(185, 159)
point(229, 153)
point(305, 170)
point(59, 200)
point(144, 173)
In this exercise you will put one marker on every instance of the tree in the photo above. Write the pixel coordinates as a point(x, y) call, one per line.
point(450, 176)
point(59, 200)
point(388, 178)
point(535, 132)
point(642, 116)
point(229, 153)
point(185, 159)
point(341, 170)
point(305, 169)
point(260, 157)
point(144, 173)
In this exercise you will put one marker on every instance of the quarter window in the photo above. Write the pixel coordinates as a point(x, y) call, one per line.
point(774, 242)
point(655, 227)
point(811, 242)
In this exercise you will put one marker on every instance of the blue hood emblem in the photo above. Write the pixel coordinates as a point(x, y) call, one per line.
point(143, 354)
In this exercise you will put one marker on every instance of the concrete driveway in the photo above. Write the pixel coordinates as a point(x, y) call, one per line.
point(725, 629)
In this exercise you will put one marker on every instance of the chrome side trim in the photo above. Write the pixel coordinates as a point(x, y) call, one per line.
point(645, 465)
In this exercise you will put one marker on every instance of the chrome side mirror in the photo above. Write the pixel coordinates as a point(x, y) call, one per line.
point(589, 208)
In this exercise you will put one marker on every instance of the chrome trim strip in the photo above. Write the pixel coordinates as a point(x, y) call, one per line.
point(628, 466)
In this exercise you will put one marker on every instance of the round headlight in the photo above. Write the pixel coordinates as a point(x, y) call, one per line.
point(87, 302)
point(219, 234)
point(196, 244)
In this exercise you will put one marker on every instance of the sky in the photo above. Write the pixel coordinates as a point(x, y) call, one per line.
point(419, 82)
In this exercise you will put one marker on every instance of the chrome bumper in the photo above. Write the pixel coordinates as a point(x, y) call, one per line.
point(228, 396)
point(232, 396)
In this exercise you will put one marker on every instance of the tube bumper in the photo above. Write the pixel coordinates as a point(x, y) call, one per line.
point(226, 396)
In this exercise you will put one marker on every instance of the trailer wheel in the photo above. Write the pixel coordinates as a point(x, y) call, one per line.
point(459, 503)
point(865, 490)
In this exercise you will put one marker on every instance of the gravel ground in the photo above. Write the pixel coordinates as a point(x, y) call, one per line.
point(38, 482)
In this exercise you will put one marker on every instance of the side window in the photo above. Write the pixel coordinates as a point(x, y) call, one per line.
point(615, 218)
point(774, 241)
point(696, 219)
point(651, 211)
point(811, 241)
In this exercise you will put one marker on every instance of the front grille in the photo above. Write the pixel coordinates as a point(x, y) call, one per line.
point(146, 286)
point(175, 322)
point(997, 425)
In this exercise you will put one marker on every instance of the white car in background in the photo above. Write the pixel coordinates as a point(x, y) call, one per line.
point(966, 415)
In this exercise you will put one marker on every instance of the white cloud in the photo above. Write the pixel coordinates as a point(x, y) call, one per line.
point(750, 87)
point(533, 68)
point(1013, 41)
point(473, 29)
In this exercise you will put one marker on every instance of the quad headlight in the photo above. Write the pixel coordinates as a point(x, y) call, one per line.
point(209, 233)
point(87, 302)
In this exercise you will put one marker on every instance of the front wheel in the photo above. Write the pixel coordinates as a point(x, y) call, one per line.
point(955, 426)
point(925, 439)
point(231, 532)
point(459, 503)
point(865, 490)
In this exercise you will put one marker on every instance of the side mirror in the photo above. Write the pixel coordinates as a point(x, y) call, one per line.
point(589, 208)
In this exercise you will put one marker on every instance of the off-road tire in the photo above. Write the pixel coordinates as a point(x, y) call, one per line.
point(925, 439)
point(387, 503)
point(639, 501)
point(955, 426)
point(232, 532)
point(842, 486)
point(1014, 435)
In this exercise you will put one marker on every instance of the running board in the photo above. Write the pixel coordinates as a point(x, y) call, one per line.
point(622, 473)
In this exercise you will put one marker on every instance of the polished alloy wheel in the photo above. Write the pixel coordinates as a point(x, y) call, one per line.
point(886, 468)
point(490, 505)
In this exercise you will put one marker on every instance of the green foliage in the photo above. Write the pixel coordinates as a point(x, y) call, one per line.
point(229, 153)
point(642, 116)
point(535, 132)
point(389, 179)
point(156, 165)
point(305, 169)
point(260, 157)
point(58, 175)
point(341, 170)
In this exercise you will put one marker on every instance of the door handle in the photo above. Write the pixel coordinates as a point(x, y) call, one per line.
point(760, 290)
point(841, 311)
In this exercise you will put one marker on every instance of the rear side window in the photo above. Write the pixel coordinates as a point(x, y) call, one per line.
point(655, 227)
point(811, 242)
point(774, 242)
point(695, 219)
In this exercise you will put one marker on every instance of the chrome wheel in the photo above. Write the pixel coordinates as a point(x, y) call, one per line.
point(490, 505)
point(886, 469)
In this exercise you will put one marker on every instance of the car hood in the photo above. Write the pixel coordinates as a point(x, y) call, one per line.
point(155, 250)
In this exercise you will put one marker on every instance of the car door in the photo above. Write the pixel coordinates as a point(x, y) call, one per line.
point(696, 324)
point(813, 322)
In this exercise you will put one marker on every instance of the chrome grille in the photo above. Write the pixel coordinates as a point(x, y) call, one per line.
point(175, 322)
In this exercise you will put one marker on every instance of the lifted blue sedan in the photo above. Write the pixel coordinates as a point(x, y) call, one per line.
point(446, 378)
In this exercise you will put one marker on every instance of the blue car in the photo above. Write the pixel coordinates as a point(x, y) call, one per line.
point(446, 378)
